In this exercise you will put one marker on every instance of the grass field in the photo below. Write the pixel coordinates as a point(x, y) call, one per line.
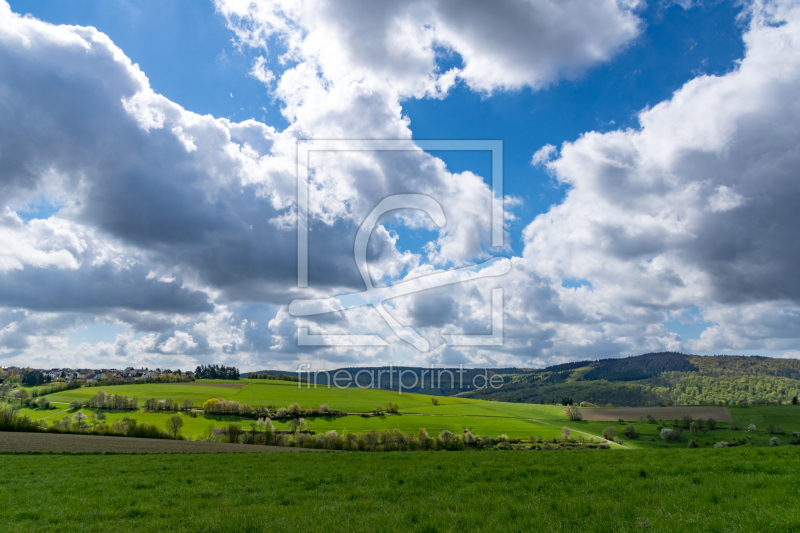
point(738, 489)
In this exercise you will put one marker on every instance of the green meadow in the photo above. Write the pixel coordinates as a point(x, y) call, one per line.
point(715, 490)
point(516, 420)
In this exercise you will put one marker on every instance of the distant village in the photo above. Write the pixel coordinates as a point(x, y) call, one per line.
point(106, 375)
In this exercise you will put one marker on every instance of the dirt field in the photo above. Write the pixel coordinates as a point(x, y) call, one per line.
point(223, 385)
point(720, 414)
point(53, 442)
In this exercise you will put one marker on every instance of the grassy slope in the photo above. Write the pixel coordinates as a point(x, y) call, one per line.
point(714, 490)
point(484, 417)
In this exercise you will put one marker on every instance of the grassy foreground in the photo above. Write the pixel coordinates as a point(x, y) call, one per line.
point(735, 489)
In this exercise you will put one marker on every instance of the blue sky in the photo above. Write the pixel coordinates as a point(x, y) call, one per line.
point(581, 89)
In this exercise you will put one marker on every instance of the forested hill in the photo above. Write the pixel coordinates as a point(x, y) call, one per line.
point(653, 378)
point(435, 381)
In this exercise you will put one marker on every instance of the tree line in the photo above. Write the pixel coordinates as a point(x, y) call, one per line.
point(216, 372)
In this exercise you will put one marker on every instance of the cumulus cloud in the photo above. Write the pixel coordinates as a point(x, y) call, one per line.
point(503, 45)
point(694, 208)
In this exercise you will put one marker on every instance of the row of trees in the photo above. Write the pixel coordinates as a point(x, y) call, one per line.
point(112, 402)
point(168, 404)
point(218, 406)
point(262, 432)
point(167, 377)
point(216, 372)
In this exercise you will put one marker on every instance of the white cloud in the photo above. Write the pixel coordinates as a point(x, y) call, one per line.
point(724, 199)
point(543, 154)
point(503, 44)
point(695, 208)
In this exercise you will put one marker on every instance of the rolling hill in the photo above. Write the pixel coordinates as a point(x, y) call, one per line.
point(654, 379)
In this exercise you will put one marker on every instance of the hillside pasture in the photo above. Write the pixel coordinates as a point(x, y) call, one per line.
point(720, 414)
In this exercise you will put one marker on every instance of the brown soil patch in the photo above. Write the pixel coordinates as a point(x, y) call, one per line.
point(632, 414)
point(54, 442)
point(222, 385)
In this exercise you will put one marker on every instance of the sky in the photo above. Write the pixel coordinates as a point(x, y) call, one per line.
point(148, 179)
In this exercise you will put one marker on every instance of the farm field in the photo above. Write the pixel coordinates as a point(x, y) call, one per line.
point(50, 442)
point(735, 489)
point(720, 414)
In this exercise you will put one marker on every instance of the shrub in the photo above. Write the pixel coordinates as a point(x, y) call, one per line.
point(774, 441)
point(573, 413)
point(294, 410)
point(736, 425)
point(565, 433)
point(721, 444)
point(651, 419)
point(712, 424)
point(435, 401)
point(670, 434)
point(751, 427)
point(771, 428)
point(609, 433)
point(692, 444)
point(587, 404)
point(631, 432)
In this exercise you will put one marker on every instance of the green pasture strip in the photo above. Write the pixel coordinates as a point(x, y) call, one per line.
point(731, 490)
point(763, 415)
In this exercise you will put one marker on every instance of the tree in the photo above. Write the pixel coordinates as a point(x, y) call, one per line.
point(574, 413)
point(794, 400)
point(188, 405)
point(631, 432)
point(566, 433)
point(712, 424)
point(566, 400)
point(80, 420)
point(435, 401)
point(609, 433)
point(297, 424)
point(174, 425)
point(232, 433)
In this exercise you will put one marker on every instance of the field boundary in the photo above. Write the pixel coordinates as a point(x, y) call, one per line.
point(57, 443)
